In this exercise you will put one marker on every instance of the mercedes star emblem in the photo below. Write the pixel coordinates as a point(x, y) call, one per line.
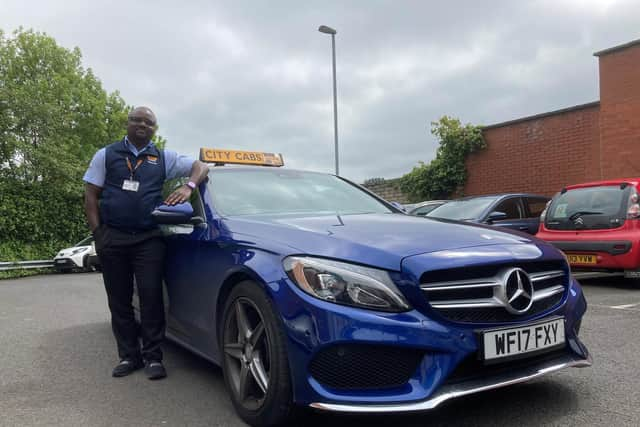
point(517, 291)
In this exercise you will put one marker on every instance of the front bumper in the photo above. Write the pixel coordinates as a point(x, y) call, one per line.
point(452, 391)
point(64, 264)
point(313, 326)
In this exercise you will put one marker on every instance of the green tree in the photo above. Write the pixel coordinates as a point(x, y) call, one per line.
point(54, 115)
point(446, 173)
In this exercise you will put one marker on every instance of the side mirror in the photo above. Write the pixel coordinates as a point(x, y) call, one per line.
point(496, 216)
point(178, 214)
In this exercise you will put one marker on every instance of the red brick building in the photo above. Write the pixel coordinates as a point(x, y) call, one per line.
point(543, 153)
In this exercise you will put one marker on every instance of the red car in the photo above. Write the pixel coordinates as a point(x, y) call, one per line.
point(597, 225)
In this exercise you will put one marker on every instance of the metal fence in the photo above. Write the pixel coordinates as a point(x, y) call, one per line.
point(18, 265)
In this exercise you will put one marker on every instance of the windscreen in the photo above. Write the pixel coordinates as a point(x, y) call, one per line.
point(278, 191)
point(463, 209)
point(85, 242)
point(588, 208)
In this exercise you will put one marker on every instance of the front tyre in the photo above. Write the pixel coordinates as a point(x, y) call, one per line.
point(254, 357)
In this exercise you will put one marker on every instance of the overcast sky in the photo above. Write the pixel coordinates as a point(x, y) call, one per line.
point(256, 75)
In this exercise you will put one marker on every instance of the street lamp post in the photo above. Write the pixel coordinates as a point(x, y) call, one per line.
point(329, 30)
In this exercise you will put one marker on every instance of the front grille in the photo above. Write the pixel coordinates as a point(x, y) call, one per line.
point(477, 294)
point(495, 314)
point(356, 366)
point(64, 263)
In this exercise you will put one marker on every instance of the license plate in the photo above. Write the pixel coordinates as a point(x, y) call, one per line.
point(581, 259)
point(60, 261)
point(504, 343)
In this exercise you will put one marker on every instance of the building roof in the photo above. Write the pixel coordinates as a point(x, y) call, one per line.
point(542, 115)
point(617, 48)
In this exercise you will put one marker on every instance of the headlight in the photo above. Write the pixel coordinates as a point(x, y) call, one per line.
point(77, 251)
point(346, 284)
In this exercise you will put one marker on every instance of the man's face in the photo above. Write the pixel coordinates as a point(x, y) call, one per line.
point(141, 124)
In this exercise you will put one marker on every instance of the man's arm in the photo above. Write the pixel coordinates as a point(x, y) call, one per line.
point(94, 181)
point(91, 196)
point(199, 171)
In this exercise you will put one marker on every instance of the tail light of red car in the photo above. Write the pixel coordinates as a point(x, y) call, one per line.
point(633, 211)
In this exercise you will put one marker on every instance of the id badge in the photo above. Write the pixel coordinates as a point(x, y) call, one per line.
point(130, 185)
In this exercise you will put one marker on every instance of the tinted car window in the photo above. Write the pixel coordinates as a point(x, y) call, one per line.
point(588, 208)
point(463, 208)
point(257, 192)
point(423, 210)
point(536, 206)
point(511, 207)
point(85, 242)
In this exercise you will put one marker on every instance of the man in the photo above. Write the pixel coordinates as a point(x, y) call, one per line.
point(122, 187)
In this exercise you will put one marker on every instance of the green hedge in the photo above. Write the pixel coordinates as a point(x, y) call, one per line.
point(54, 115)
point(36, 222)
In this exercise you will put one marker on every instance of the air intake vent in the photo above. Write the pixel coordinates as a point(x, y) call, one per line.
point(354, 366)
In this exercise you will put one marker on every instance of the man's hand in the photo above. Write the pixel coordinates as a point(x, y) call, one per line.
point(98, 238)
point(181, 195)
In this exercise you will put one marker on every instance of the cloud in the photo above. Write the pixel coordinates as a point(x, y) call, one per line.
point(257, 75)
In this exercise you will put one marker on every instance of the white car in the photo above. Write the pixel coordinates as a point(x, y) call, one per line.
point(80, 257)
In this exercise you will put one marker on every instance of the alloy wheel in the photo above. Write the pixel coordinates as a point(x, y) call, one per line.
point(247, 353)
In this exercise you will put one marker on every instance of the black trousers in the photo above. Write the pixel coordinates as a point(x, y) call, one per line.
point(123, 257)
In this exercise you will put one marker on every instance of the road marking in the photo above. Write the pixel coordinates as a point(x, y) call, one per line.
point(624, 306)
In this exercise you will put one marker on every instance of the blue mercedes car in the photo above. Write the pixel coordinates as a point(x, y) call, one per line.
point(310, 291)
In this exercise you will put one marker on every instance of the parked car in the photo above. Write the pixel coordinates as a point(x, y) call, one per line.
point(597, 225)
point(517, 211)
point(79, 257)
point(310, 291)
point(423, 208)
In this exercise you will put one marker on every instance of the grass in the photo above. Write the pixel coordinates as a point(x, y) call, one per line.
point(13, 274)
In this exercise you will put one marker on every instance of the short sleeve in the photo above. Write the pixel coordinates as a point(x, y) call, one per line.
point(97, 171)
point(177, 165)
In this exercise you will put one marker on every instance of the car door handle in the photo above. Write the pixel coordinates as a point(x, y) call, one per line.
point(523, 228)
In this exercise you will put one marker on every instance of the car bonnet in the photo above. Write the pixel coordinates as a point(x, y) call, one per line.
point(381, 240)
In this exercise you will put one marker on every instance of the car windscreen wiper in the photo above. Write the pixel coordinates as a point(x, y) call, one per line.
point(577, 214)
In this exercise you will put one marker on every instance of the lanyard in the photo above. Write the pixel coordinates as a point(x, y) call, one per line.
point(132, 170)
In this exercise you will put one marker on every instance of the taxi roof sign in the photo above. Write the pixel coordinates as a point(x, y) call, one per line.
point(221, 157)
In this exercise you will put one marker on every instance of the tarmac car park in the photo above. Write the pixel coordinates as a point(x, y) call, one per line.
point(310, 291)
